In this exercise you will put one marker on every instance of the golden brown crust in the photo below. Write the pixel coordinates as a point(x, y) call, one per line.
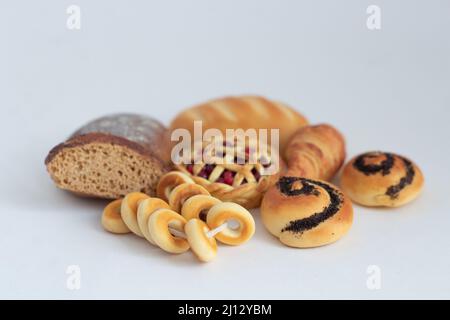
point(243, 112)
point(224, 212)
point(381, 179)
point(315, 152)
point(145, 209)
point(169, 181)
point(159, 225)
point(248, 195)
point(183, 192)
point(197, 207)
point(204, 247)
point(112, 220)
point(129, 210)
point(306, 213)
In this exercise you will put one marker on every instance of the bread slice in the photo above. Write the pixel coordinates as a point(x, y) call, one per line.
point(104, 165)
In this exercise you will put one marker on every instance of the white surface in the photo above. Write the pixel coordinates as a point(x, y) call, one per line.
point(386, 89)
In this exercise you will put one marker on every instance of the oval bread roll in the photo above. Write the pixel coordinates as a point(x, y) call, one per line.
point(242, 112)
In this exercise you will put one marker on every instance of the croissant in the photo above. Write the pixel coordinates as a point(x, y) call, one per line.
point(315, 152)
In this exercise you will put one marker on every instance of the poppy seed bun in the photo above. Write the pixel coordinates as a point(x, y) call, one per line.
point(382, 179)
point(306, 213)
point(111, 157)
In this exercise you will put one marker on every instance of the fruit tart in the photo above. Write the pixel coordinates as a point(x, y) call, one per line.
point(232, 171)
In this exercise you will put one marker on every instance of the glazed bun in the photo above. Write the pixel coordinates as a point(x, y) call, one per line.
point(306, 213)
point(381, 179)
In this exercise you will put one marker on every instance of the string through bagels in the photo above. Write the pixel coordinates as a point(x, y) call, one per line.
point(184, 216)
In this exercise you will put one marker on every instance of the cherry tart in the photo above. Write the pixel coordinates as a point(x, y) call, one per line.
point(234, 173)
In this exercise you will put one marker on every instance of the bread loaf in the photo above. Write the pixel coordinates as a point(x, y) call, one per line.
point(243, 112)
point(111, 157)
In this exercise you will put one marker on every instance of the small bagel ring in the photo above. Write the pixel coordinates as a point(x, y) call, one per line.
point(198, 206)
point(223, 212)
point(111, 219)
point(183, 192)
point(204, 247)
point(129, 208)
point(169, 181)
point(145, 210)
point(158, 227)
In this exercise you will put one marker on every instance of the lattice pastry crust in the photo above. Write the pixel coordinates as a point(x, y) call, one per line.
point(233, 172)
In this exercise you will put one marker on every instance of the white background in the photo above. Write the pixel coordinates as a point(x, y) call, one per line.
point(386, 89)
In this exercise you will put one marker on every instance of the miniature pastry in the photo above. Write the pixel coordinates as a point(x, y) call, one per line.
point(234, 172)
point(111, 219)
point(382, 179)
point(158, 226)
point(128, 211)
point(145, 210)
point(111, 157)
point(169, 181)
point(306, 213)
point(204, 247)
point(245, 112)
point(315, 152)
point(182, 193)
point(197, 207)
point(221, 214)
point(155, 220)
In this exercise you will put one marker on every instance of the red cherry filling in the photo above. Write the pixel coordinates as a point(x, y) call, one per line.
point(227, 176)
point(256, 174)
point(206, 171)
point(220, 180)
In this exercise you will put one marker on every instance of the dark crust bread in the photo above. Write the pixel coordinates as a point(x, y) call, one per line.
point(102, 138)
point(143, 130)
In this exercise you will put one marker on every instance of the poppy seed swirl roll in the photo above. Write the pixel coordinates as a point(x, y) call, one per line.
point(382, 179)
point(306, 213)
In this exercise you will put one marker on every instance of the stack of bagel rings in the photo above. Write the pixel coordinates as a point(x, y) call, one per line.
point(183, 216)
